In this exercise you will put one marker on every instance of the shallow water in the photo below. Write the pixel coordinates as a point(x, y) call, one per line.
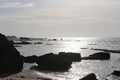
point(80, 45)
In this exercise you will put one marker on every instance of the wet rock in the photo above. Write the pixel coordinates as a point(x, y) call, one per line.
point(10, 59)
point(22, 77)
point(53, 62)
point(117, 73)
point(17, 46)
point(44, 78)
point(70, 56)
point(107, 50)
point(57, 62)
point(23, 42)
point(98, 56)
point(30, 59)
point(90, 76)
point(38, 43)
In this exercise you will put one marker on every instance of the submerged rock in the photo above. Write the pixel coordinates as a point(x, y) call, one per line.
point(117, 73)
point(10, 59)
point(98, 56)
point(53, 62)
point(90, 76)
point(70, 56)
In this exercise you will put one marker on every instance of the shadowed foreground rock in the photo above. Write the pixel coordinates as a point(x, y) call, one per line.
point(70, 56)
point(117, 73)
point(10, 59)
point(98, 56)
point(53, 62)
point(90, 76)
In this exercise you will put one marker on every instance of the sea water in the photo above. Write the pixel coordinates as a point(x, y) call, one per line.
point(102, 69)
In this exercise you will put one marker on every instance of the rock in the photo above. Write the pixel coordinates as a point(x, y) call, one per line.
point(98, 56)
point(25, 39)
point(10, 59)
point(23, 42)
point(70, 56)
point(57, 62)
point(42, 78)
point(53, 62)
point(107, 50)
point(38, 43)
point(90, 76)
point(22, 77)
point(30, 59)
point(117, 73)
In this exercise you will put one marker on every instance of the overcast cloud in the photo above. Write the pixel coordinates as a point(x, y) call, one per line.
point(60, 18)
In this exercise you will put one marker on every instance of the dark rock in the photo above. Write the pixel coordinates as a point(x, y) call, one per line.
point(107, 50)
point(25, 39)
point(17, 46)
point(57, 62)
point(98, 56)
point(23, 42)
point(30, 59)
point(70, 56)
point(38, 43)
point(54, 39)
point(117, 73)
point(90, 76)
point(44, 78)
point(53, 62)
point(22, 77)
point(10, 59)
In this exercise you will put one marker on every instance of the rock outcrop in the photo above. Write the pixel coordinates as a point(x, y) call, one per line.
point(98, 56)
point(90, 76)
point(30, 59)
point(53, 62)
point(117, 73)
point(23, 43)
point(70, 56)
point(10, 59)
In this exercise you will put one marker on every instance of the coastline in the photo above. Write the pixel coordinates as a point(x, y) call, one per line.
point(26, 74)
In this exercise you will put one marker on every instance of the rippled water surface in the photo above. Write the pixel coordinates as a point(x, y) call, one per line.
point(80, 45)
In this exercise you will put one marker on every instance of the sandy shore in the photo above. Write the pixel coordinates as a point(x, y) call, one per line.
point(26, 74)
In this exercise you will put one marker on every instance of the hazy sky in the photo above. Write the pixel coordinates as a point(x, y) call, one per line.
point(60, 18)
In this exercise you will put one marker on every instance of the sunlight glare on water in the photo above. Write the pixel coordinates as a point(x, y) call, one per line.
point(83, 46)
point(74, 44)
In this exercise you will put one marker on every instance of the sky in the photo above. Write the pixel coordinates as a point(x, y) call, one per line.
point(60, 18)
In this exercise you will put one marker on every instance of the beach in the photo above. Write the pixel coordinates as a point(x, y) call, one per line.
point(84, 46)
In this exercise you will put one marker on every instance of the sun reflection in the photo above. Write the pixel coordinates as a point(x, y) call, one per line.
point(73, 45)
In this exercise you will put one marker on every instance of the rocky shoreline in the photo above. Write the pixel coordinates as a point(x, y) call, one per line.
point(12, 62)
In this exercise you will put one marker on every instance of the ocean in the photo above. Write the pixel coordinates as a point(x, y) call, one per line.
point(84, 46)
